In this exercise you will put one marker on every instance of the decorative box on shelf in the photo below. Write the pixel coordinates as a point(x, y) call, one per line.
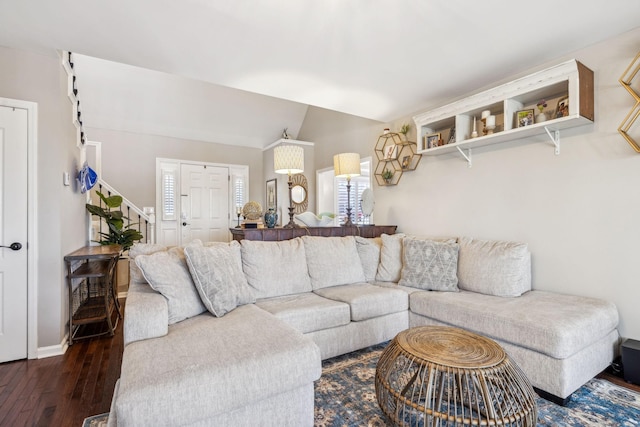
point(567, 89)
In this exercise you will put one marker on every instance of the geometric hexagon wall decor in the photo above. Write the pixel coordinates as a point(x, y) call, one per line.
point(625, 80)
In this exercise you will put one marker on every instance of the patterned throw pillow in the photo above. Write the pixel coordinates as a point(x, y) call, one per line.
point(217, 274)
point(429, 265)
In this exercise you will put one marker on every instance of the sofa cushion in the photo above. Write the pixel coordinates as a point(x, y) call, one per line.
point(332, 261)
point(554, 324)
point(307, 312)
point(276, 268)
point(390, 258)
point(429, 265)
point(218, 277)
point(369, 252)
point(216, 365)
point(367, 301)
point(147, 314)
point(167, 272)
point(494, 267)
point(393, 285)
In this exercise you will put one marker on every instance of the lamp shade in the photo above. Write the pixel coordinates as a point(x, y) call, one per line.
point(288, 159)
point(346, 164)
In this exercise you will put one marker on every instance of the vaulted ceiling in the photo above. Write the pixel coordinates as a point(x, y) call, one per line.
point(238, 72)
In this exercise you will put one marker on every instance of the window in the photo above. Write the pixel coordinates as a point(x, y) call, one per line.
point(358, 185)
point(238, 190)
point(168, 195)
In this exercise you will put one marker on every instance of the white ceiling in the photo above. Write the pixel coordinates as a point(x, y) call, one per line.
point(238, 72)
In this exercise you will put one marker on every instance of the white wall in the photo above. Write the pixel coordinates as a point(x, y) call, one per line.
point(61, 221)
point(578, 211)
point(129, 161)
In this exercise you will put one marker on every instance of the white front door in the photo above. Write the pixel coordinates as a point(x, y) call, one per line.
point(13, 233)
point(204, 201)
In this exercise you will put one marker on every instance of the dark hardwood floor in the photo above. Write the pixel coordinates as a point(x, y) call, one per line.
point(62, 390)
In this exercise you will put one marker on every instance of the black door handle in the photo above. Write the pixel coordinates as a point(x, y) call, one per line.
point(15, 246)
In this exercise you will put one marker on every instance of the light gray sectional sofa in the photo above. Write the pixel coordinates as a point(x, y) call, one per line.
point(234, 334)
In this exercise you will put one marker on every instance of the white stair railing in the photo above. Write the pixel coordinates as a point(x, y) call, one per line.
point(135, 218)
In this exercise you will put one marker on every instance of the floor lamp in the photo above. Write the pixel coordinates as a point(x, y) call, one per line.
point(289, 159)
point(347, 165)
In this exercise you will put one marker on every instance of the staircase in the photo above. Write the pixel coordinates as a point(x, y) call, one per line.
point(141, 220)
point(135, 218)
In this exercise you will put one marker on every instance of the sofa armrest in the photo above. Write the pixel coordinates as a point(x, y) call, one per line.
point(146, 314)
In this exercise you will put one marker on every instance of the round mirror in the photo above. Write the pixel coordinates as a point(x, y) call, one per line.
point(299, 196)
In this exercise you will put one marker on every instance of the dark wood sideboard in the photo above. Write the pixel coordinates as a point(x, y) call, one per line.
point(277, 234)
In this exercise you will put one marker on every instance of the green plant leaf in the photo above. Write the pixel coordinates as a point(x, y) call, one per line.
point(96, 210)
point(111, 201)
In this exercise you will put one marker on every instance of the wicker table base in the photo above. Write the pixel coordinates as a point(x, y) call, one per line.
point(442, 376)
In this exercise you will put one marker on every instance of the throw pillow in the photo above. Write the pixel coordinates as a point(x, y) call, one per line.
point(218, 276)
point(429, 265)
point(167, 273)
point(390, 258)
point(493, 267)
point(332, 261)
point(135, 275)
point(369, 252)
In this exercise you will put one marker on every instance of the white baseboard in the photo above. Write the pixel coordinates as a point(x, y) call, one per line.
point(53, 350)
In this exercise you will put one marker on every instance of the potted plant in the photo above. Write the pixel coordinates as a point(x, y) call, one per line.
point(404, 130)
point(387, 175)
point(118, 233)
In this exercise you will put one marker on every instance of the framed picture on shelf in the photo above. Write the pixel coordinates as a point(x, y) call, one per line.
point(452, 135)
point(390, 152)
point(430, 141)
point(406, 161)
point(524, 118)
point(272, 194)
point(562, 110)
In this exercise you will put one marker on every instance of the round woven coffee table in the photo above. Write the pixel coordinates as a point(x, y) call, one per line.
point(443, 376)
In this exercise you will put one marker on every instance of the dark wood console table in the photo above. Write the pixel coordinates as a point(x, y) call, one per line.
point(279, 233)
point(94, 299)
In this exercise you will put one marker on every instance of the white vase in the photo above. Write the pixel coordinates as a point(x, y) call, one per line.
point(542, 117)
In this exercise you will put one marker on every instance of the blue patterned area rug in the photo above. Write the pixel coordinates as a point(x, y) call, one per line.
point(96, 421)
point(345, 396)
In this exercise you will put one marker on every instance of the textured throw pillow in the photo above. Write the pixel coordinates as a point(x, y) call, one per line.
point(135, 275)
point(217, 273)
point(167, 273)
point(332, 261)
point(494, 267)
point(369, 252)
point(390, 258)
point(430, 265)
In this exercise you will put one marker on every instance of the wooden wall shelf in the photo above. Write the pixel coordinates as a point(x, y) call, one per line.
point(570, 80)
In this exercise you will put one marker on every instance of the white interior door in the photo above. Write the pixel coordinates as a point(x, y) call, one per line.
point(204, 201)
point(13, 233)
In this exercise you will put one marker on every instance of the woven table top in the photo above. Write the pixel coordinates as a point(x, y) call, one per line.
point(451, 347)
